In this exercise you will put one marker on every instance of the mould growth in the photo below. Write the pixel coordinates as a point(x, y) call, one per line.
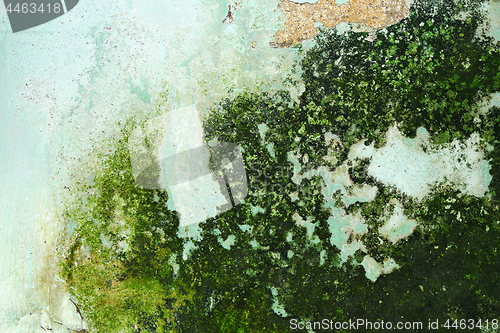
point(351, 246)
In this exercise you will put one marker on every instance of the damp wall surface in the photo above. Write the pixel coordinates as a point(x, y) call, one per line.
point(65, 84)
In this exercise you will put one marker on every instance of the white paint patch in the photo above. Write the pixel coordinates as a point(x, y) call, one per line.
point(402, 163)
point(493, 10)
point(308, 225)
point(360, 193)
point(263, 128)
point(398, 226)
point(349, 249)
point(277, 307)
point(493, 99)
point(177, 131)
point(361, 150)
point(230, 240)
point(374, 269)
point(357, 225)
point(352, 224)
point(410, 165)
point(341, 227)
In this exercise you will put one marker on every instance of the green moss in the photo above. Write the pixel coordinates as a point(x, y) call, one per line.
point(431, 70)
point(116, 288)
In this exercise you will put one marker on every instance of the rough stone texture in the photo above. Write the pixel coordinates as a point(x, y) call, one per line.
point(302, 19)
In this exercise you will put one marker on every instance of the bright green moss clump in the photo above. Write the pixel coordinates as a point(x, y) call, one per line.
point(430, 70)
point(118, 264)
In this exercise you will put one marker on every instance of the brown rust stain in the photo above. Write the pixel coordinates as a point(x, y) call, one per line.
point(302, 17)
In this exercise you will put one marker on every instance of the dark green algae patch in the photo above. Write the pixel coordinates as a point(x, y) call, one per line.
point(123, 262)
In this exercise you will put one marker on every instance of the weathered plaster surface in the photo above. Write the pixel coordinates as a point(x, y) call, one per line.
point(303, 19)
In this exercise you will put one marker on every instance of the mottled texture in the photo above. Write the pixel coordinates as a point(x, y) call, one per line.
point(302, 19)
point(309, 241)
